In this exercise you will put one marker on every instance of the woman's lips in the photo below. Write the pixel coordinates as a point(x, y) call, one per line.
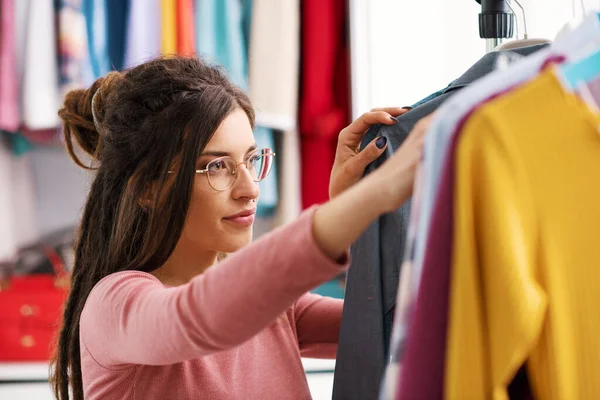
point(243, 219)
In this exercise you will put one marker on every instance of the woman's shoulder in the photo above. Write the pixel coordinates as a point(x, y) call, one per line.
point(125, 276)
point(116, 287)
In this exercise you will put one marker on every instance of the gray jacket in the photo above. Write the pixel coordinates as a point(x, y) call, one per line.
point(372, 280)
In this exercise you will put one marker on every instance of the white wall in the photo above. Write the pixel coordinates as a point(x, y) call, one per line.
point(403, 50)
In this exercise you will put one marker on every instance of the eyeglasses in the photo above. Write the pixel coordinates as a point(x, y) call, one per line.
point(222, 172)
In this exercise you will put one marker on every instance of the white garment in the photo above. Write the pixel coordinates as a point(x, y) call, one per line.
point(24, 207)
point(273, 62)
point(143, 34)
point(18, 217)
point(8, 246)
point(21, 20)
point(290, 196)
point(40, 94)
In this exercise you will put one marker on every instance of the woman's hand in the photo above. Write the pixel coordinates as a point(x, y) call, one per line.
point(395, 178)
point(350, 162)
point(340, 221)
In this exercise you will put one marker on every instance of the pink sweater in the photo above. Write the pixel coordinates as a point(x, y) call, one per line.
point(235, 332)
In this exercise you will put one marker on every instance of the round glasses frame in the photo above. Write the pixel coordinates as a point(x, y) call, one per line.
point(263, 153)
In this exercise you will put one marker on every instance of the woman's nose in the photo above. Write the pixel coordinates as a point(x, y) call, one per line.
point(245, 186)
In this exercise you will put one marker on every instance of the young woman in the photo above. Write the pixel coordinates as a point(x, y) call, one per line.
point(151, 315)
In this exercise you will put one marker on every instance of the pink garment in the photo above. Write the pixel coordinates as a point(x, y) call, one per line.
point(238, 331)
point(9, 79)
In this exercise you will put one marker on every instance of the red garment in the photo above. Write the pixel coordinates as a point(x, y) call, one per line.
point(324, 101)
point(186, 41)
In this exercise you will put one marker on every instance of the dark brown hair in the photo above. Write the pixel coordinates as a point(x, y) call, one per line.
point(143, 122)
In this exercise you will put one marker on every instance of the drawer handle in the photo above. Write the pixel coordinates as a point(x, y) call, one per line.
point(27, 310)
point(27, 341)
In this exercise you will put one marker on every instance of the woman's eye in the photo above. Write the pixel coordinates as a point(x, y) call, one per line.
point(254, 159)
point(216, 166)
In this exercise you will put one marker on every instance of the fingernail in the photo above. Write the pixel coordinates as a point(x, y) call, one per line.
point(381, 142)
point(394, 120)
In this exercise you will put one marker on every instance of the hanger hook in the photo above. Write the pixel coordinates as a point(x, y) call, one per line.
point(525, 35)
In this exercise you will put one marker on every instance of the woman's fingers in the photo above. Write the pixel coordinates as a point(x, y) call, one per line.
point(353, 134)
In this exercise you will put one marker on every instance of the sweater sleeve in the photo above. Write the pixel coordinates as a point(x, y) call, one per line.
point(318, 322)
point(131, 318)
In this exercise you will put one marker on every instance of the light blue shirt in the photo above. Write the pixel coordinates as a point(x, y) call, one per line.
point(96, 21)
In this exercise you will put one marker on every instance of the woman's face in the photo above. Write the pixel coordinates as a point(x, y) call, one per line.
point(211, 224)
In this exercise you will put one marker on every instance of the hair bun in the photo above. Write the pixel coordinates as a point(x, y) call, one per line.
point(82, 122)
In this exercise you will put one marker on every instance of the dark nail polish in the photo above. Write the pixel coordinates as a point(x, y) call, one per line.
point(394, 120)
point(381, 142)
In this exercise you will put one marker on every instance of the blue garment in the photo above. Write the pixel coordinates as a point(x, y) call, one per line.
point(220, 37)
point(96, 22)
point(17, 143)
point(431, 96)
point(118, 16)
point(246, 23)
point(223, 37)
point(268, 188)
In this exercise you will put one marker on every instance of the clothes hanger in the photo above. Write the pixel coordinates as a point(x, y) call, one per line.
point(525, 41)
point(575, 20)
point(586, 69)
point(577, 76)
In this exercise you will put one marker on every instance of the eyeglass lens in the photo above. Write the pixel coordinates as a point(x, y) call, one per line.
point(222, 172)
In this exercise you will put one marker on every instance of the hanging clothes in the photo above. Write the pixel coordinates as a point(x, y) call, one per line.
point(24, 208)
point(168, 43)
point(143, 37)
point(273, 61)
point(118, 16)
point(39, 91)
point(17, 143)
point(186, 31)
point(415, 362)
point(8, 245)
point(251, 16)
point(290, 199)
point(268, 188)
point(95, 12)
point(9, 81)
point(20, 26)
point(273, 84)
point(423, 362)
point(529, 293)
point(72, 45)
point(220, 38)
point(324, 101)
point(371, 293)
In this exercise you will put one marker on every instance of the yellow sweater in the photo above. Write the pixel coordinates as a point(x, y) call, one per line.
point(525, 283)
